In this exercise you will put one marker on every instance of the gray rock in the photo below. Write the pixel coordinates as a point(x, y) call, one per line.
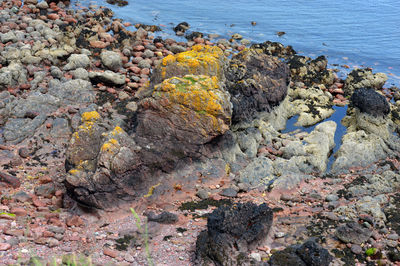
point(12, 75)
point(177, 48)
point(393, 236)
point(108, 77)
point(363, 78)
point(259, 171)
point(80, 73)
point(73, 91)
point(8, 37)
point(144, 64)
point(164, 217)
point(148, 53)
point(228, 192)
point(331, 197)
point(55, 71)
point(76, 61)
point(356, 249)
point(132, 106)
point(353, 233)
point(202, 194)
point(111, 60)
point(42, 5)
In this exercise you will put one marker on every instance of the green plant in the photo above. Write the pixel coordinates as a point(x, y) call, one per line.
point(145, 235)
point(370, 252)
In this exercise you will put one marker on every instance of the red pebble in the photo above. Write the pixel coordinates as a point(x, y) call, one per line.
point(53, 16)
point(138, 48)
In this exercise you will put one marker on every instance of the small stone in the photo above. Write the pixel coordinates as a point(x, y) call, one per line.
point(164, 217)
point(228, 192)
point(4, 246)
point(255, 256)
point(74, 221)
point(110, 252)
point(132, 106)
point(279, 234)
point(331, 197)
point(393, 236)
point(123, 95)
point(356, 249)
point(52, 242)
point(19, 211)
point(391, 243)
point(202, 194)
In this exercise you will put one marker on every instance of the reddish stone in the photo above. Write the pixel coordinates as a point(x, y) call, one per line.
point(48, 125)
point(37, 202)
point(137, 54)
point(339, 91)
point(18, 211)
point(48, 234)
point(135, 69)
point(9, 179)
point(50, 215)
point(25, 86)
point(110, 252)
point(339, 85)
point(159, 45)
point(4, 246)
point(199, 40)
point(74, 221)
point(70, 20)
point(139, 48)
point(241, 47)
point(14, 232)
point(111, 90)
point(53, 16)
point(340, 97)
point(98, 44)
point(145, 71)
point(56, 221)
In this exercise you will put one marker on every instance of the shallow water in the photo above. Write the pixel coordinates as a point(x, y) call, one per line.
point(337, 116)
point(355, 33)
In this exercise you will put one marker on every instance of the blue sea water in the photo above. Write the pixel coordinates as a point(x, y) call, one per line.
point(355, 33)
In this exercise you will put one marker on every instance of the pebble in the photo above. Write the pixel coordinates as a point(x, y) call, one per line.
point(132, 106)
point(110, 252)
point(393, 236)
point(256, 256)
point(123, 95)
point(356, 249)
point(4, 246)
point(279, 234)
point(228, 192)
point(202, 194)
point(331, 197)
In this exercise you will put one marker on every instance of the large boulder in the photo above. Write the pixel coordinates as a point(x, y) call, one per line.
point(363, 78)
point(201, 60)
point(257, 82)
point(367, 100)
point(12, 75)
point(233, 231)
point(184, 113)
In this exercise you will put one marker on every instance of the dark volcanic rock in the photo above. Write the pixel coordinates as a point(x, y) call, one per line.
point(232, 231)
point(353, 233)
point(257, 82)
point(309, 253)
point(371, 102)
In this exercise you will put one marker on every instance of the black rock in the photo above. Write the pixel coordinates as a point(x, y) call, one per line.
point(232, 231)
point(309, 253)
point(371, 102)
point(181, 28)
point(163, 218)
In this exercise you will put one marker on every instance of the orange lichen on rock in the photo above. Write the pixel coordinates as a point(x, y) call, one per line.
point(201, 60)
point(196, 92)
point(110, 145)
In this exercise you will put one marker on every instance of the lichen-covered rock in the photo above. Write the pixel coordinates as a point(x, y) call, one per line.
point(232, 231)
point(201, 60)
point(257, 83)
point(185, 113)
point(310, 71)
point(76, 61)
point(363, 78)
point(367, 100)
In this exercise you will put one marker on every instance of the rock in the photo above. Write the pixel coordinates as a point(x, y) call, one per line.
point(257, 82)
point(310, 71)
point(363, 78)
point(23, 152)
point(164, 217)
point(42, 5)
point(353, 233)
point(309, 253)
point(202, 194)
point(8, 37)
point(12, 75)
point(52, 242)
point(259, 171)
point(176, 49)
point(77, 61)
point(21, 196)
point(45, 190)
point(371, 102)
point(107, 77)
point(55, 71)
point(132, 106)
point(181, 28)
point(275, 49)
point(9, 179)
point(80, 73)
point(232, 231)
point(331, 197)
point(110, 252)
point(4, 246)
point(182, 114)
point(228, 192)
point(111, 60)
point(201, 60)
point(74, 221)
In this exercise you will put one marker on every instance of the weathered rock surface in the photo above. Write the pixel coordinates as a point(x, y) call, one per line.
point(367, 100)
point(257, 83)
point(353, 233)
point(363, 78)
point(232, 231)
point(111, 60)
point(12, 75)
point(76, 61)
point(108, 77)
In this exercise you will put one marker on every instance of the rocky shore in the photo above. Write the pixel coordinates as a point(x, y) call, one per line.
point(96, 119)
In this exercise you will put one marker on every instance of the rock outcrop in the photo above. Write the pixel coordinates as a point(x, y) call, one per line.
point(363, 78)
point(257, 83)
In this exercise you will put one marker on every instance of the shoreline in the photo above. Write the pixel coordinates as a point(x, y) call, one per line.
point(63, 75)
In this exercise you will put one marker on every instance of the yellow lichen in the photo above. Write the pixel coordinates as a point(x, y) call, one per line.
point(117, 130)
point(109, 145)
point(90, 116)
point(151, 190)
point(73, 171)
point(168, 60)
